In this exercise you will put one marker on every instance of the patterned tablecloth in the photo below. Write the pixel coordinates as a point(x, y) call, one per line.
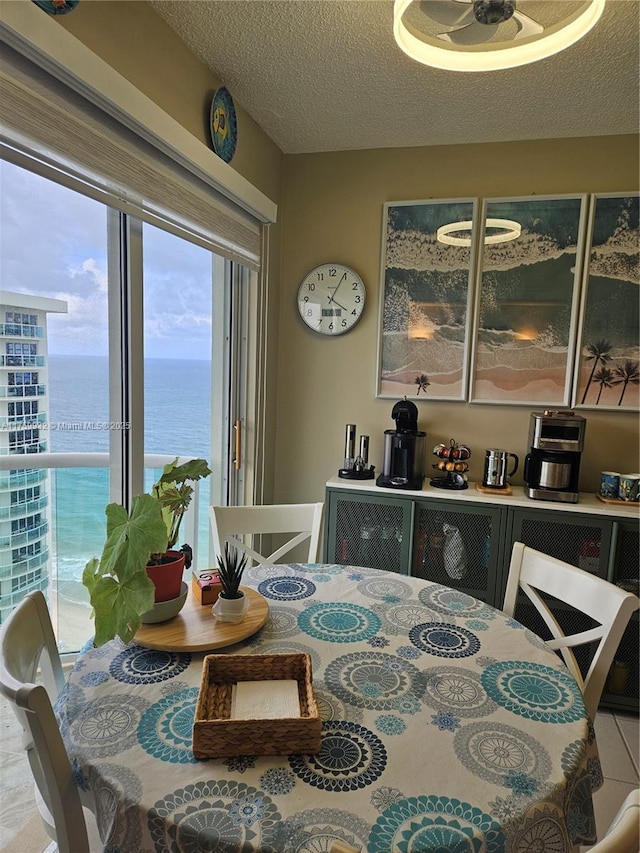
point(446, 727)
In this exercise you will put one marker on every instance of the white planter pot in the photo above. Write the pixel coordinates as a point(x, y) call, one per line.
point(230, 609)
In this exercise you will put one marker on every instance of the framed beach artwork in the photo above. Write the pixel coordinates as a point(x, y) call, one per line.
point(426, 282)
point(527, 300)
point(608, 357)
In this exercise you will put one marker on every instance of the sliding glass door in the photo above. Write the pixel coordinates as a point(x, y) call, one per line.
point(118, 340)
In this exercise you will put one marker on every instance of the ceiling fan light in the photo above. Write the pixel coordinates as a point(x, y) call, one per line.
point(449, 57)
point(509, 230)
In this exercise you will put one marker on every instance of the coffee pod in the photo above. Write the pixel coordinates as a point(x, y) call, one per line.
point(609, 482)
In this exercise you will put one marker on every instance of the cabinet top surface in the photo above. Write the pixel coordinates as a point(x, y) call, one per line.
point(588, 503)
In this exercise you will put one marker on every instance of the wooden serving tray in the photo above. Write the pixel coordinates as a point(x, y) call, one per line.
point(487, 490)
point(616, 501)
point(196, 629)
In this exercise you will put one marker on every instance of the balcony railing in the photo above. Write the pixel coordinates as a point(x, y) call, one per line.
point(18, 330)
point(22, 390)
point(22, 361)
point(19, 421)
point(77, 494)
point(18, 510)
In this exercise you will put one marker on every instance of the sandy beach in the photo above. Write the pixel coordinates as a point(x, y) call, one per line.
point(72, 620)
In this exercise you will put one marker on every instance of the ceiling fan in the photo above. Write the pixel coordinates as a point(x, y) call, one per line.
point(490, 35)
point(477, 21)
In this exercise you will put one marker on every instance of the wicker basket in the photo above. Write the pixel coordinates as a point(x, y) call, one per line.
point(217, 736)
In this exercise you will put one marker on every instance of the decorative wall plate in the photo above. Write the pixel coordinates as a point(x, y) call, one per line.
point(223, 124)
point(57, 7)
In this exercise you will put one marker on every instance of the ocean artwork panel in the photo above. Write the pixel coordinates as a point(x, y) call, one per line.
point(608, 358)
point(426, 281)
point(528, 300)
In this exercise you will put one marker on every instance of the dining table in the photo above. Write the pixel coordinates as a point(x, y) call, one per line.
point(446, 727)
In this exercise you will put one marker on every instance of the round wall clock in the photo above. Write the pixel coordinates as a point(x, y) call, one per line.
point(331, 299)
point(224, 128)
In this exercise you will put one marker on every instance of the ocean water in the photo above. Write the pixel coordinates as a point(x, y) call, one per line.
point(78, 403)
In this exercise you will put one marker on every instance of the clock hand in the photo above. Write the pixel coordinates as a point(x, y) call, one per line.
point(335, 289)
point(335, 302)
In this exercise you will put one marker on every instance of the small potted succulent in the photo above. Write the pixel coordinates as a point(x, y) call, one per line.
point(231, 603)
point(138, 554)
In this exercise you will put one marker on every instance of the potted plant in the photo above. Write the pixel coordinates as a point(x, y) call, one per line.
point(140, 543)
point(230, 604)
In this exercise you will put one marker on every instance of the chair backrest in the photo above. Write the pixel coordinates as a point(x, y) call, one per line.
point(606, 604)
point(231, 523)
point(28, 651)
point(623, 836)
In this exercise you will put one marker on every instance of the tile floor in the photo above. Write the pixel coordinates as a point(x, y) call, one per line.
point(618, 742)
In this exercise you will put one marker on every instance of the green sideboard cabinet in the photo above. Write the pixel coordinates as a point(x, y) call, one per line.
point(463, 539)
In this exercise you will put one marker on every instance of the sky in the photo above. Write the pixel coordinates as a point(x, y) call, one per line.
point(53, 242)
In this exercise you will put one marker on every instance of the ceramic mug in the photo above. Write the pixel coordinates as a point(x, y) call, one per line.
point(628, 487)
point(609, 482)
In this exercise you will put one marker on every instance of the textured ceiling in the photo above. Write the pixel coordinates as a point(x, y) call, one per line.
point(327, 75)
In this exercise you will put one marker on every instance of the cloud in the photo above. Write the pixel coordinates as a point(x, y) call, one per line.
point(53, 242)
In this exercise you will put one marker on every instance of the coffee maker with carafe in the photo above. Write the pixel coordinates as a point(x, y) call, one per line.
point(403, 463)
point(551, 469)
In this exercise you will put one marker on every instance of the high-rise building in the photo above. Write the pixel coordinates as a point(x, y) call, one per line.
point(24, 422)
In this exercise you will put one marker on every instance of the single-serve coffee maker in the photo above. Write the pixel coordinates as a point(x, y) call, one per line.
point(552, 467)
point(403, 463)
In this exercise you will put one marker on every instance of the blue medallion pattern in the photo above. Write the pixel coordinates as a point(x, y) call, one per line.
point(534, 690)
point(541, 829)
point(444, 640)
point(385, 589)
point(456, 689)
point(286, 588)
point(351, 757)
point(374, 680)
point(109, 725)
point(113, 786)
point(492, 750)
point(215, 815)
point(166, 729)
point(453, 602)
point(339, 622)
point(435, 823)
point(137, 665)
point(315, 830)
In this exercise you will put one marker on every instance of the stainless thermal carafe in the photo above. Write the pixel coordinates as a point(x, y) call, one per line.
point(496, 463)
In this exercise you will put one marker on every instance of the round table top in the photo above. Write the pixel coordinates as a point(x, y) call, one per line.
point(196, 629)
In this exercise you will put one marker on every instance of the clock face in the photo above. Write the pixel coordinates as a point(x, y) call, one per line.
point(331, 299)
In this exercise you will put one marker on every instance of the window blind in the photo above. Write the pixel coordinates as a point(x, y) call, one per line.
point(49, 127)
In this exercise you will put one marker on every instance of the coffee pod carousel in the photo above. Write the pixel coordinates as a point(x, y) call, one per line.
point(452, 462)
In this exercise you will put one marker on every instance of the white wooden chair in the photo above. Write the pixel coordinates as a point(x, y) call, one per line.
point(623, 836)
point(606, 604)
point(28, 652)
point(231, 523)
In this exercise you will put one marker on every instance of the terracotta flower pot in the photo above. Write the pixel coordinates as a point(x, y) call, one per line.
point(167, 577)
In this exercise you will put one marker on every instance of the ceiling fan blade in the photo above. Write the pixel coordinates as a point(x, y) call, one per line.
point(526, 26)
point(471, 34)
point(448, 12)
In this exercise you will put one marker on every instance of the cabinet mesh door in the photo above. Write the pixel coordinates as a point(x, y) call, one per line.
point(369, 534)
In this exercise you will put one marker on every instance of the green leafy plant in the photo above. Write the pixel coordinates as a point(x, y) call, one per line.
point(230, 570)
point(120, 590)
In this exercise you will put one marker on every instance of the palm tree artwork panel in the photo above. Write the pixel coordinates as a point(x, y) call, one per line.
point(427, 279)
point(528, 299)
point(608, 359)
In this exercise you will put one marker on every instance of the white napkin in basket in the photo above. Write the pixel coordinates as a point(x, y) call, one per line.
point(265, 700)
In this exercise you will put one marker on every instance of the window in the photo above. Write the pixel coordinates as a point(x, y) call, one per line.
point(63, 406)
